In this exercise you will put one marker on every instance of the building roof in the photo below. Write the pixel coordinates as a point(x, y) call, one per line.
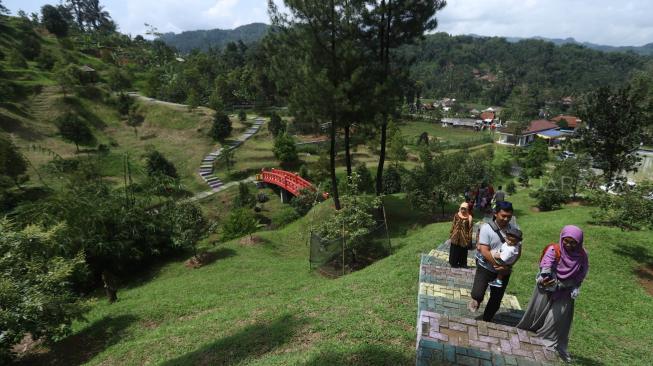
point(488, 115)
point(551, 134)
point(572, 121)
point(533, 127)
point(540, 125)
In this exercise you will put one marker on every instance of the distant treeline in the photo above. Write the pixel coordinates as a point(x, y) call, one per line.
point(487, 69)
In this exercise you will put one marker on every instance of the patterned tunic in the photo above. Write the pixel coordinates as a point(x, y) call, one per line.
point(461, 231)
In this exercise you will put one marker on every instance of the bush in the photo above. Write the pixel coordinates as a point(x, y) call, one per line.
point(221, 126)
point(46, 60)
point(156, 164)
point(284, 216)
point(16, 60)
point(30, 46)
point(305, 201)
point(511, 188)
point(276, 125)
point(284, 149)
point(35, 288)
point(365, 183)
point(240, 222)
point(74, 130)
point(550, 197)
point(392, 180)
point(242, 116)
point(630, 210)
point(245, 198)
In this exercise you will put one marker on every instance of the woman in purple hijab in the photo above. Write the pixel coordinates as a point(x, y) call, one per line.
point(551, 309)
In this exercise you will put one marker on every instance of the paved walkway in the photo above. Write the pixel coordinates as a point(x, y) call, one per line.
point(449, 334)
point(206, 166)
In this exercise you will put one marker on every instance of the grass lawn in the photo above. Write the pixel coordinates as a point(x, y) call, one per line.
point(262, 306)
point(181, 135)
point(412, 129)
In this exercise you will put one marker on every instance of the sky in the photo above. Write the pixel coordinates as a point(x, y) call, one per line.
point(623, 23)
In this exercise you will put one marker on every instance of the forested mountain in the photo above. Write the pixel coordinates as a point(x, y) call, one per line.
point(487, 70)
point(216, 38)
point(646, 50)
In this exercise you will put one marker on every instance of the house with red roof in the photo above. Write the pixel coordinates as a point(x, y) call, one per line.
point(572, 122)
point(539, 128)
point(488, 116)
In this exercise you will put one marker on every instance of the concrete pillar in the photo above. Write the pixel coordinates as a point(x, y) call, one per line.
point(284, 196)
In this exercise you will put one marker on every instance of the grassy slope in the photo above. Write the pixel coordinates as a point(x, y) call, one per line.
point(181, 135)
point(261, 305)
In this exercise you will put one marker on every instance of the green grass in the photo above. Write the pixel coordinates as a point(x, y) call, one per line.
point(262, 306)
point(413, 129)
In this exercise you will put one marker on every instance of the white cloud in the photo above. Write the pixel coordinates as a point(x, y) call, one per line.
point(627, 22)
point(222, 8)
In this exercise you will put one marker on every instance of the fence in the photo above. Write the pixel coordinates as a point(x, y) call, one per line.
point(337, 257)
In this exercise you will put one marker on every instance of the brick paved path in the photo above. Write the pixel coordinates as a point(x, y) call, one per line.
point(449, 334)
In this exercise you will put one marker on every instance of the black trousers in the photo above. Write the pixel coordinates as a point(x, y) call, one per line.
point(457, 256)
point(481, 280)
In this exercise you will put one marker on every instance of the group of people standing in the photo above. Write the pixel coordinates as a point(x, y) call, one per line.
point(562, 269)
point(482, 196)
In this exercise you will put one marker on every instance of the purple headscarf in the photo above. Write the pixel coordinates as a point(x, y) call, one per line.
point(572, 265)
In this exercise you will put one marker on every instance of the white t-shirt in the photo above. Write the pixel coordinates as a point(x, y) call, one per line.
point(507, 253)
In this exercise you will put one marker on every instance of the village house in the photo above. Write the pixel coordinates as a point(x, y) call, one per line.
point(539, 128)
point(572, 122)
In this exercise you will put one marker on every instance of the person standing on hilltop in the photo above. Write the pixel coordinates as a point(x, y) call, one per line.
point(460, 236)
point(563, 267)
point(491, 236)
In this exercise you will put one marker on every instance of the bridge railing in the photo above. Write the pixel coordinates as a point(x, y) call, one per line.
point(289, 181)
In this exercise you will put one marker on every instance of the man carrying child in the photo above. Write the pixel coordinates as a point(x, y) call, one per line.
point(491, 238)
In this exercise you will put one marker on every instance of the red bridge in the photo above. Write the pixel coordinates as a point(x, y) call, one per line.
point(290, 182)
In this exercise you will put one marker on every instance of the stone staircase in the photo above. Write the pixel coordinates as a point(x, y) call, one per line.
point(449, 334)
point(206, 167)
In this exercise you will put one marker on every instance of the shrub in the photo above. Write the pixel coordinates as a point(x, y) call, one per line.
point(284, 216)
point(221, 128)
point(16, 60)
point(30, 46)
point(511, 188)
point(157, 164)
point(550, 196)
point(245, 198)
point(305, 201)
point(240, 222)
point(284, 149)
point(365, 183)
point(632, 209)
point(74, 130)
point(242, 116)
point(276, 125)
point(392, 180)
point(35, 288)
point(46, 60)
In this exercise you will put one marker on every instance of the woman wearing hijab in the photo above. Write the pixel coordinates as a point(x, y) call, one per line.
point(460, 236)
point(550, 312)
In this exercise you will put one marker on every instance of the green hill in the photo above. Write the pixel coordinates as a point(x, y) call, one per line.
point(262, 306)
point(187, 41)
point(33, 100)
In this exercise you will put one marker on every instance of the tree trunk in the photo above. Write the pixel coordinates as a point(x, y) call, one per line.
point(332, 158)
point(334, 115)
point(379, 169)
point(347, 152)
point(110, 286)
